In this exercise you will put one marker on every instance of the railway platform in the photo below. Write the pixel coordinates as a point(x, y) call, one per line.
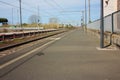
point(73, 56)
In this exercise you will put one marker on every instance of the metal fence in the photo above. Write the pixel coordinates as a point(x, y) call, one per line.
point(111, 23)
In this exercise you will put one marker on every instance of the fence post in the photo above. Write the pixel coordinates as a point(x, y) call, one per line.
point(112, 23)
point(102, 25)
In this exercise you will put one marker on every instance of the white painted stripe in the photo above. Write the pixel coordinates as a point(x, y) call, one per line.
point(54, 38)
point(107, 49)
point(20, 57)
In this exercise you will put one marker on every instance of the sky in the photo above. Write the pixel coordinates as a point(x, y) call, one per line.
point(67, 11)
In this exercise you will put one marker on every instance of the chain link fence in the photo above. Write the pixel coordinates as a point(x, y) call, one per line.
point(111, 23)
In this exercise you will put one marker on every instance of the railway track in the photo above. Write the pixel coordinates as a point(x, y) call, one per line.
point(22, 34)
point(13, 53)
point(9, 52)
point(13, 42)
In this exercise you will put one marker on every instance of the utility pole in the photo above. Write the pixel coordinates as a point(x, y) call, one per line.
point(20, 14)
point(102, 25)
point(18, 17)
point(38, 17)
point(85, 14)
point(12, 16)
point(89, 6)
point(82, 19)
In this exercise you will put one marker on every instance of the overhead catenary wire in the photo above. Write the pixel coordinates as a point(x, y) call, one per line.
point(6, 3)
point(45, 12)
point(58, 5)
point(51, 5)
point(62, 9)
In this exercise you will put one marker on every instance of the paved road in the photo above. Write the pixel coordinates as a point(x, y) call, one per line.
point(73, 57)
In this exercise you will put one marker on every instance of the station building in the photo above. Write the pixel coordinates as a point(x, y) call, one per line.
point(111, 6)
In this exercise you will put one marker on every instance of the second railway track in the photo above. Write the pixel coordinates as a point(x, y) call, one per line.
point(12, 51)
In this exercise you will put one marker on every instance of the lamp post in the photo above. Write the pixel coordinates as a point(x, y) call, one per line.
point(89, 7)
point(12, 16)
point(18, 17)
point(38, 17)
point(82, 19)
point(85, 14)
point(20, 14)
point(102, 25)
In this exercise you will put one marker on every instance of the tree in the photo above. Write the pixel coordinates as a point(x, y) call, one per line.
point(4, 21)
point(34, 19)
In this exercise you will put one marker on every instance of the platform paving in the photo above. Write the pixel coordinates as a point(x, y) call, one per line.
point(74, 57)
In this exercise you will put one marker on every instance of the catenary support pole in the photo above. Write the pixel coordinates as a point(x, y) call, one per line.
point(102, 25)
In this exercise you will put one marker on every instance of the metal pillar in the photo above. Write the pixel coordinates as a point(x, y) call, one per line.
point(102, 25)
point(112, 23)
point(89, 6)
point(85, 14)
point(20, 14)
point(38, 15)
point(83, 17)
point(12, 16)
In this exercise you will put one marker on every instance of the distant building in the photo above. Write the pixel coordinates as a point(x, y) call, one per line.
point(118, 4)
point(111, 6)
point(118, 18)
